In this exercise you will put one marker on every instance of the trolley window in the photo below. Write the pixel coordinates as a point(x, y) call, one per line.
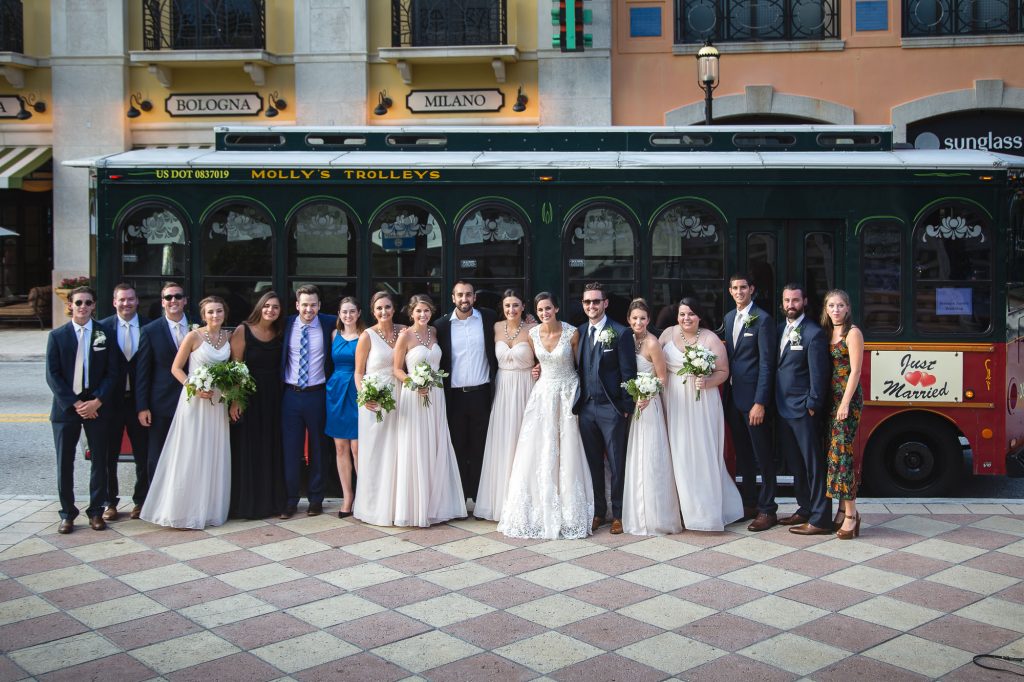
point(237, 255)
point(154, 237)
point(600, 245)
point(322, 250)
point(407, 250)
point(881, 276)
point(492, 252)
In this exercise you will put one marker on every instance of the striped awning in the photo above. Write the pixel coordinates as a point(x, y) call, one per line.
point(18, 162)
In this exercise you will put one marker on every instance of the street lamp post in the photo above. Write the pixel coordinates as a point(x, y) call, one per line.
point(707, 75)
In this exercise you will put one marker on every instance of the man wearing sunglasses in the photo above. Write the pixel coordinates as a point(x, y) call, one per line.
point(81, 370)
point(156, 390)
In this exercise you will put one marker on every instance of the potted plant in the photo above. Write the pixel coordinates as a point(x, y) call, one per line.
point(66, 286)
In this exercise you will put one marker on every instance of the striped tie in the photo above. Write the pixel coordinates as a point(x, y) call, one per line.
point(304, 357)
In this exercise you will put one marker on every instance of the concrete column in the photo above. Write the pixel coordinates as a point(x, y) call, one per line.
point(331, 62)
point(90, 94)
point(575, 88)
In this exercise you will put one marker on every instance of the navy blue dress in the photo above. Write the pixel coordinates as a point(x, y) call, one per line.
point(342, 411)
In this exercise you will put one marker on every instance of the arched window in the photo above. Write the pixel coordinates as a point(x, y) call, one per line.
point(953, 270)
point(322, 250)
point(493, 247)
point(687, 259)
point(599, 245)
point(407, 251)
point(237, 255)
point(154, 249)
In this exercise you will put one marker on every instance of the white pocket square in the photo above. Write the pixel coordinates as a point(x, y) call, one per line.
point(748, 333)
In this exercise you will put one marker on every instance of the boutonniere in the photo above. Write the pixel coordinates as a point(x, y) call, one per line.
point(99, 339)
point(795, 336)
point(607, 337)
point(751, 319)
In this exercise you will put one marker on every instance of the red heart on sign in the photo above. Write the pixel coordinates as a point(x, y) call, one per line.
point(913, 378)
point(927, 379)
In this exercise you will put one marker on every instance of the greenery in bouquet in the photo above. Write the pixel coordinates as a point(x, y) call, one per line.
point(199, 380)
point(376, 390)
point(644, 386)
point(698, 362)
point(234, 381)
point(425, 376)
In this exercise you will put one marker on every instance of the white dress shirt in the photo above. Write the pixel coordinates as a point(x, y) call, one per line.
point(737, 327)
point(469, 354)
point(790, 326)
point(172, 325)
point(598, 327)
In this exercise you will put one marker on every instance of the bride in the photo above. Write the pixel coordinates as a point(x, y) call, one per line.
point(192, 484)
point(550, 494)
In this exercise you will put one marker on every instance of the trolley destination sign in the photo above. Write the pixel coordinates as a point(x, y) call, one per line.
point(288, 175)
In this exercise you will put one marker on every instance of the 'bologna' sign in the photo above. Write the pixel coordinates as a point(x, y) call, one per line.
point(438, 101)
point(215, 104)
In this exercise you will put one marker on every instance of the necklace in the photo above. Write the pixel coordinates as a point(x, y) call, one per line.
point(417, 334)
point(220, 338)
point(514, 336)
point(639, 343)
point(687, 342)
point(394, 336)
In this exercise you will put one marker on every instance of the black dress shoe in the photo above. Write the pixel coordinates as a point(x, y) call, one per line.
point(288, 513)
point(66, 526)
point(315, 509)
point(97, 523)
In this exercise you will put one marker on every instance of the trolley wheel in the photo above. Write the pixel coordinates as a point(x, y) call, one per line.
point(916, 456)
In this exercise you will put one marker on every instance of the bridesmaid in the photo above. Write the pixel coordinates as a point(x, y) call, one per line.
point(428, 488)
point(511, 393)
point(257, 470)
point(375, 357)
point(650, 503)
point(342, 422)
point(847, 349)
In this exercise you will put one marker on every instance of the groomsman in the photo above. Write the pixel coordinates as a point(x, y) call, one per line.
point(750, 341)
point(306, 366)
point(82, 366)
point(801, 390)
point(126, 325)
point(467, 354)
point(156, 390)
point(607, 358)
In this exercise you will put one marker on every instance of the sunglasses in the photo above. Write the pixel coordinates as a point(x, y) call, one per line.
point(592, 301)
point(173, 297)
point(79, 303)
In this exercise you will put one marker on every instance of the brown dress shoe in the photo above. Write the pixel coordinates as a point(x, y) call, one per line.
point(66, 526)
point(136, 511)
point(616, 527)
point(792, 520)
point(749, 513)
point(97, 523)
point(598, 522)
point(762, 522)
point(808, 529)
point(110, 513)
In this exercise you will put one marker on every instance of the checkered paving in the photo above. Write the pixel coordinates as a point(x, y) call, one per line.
point(924, 589)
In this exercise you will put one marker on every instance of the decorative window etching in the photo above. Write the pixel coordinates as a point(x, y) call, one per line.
point(162, 227)
point(676, 223)
point(322, 220)
point(494, 228)
point(242, 226)
point(602, 225)
point(953, 227)
point(407, 225)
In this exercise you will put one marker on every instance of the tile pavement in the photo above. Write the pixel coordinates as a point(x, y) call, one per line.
point(926, 587)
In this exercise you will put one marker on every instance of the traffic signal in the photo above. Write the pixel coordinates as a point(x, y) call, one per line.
point(569, 17)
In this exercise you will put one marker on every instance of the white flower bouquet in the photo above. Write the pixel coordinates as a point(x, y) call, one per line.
point(424, 376)
point(644, 386)
point(376, 390)
point(698, 362)
point(231, 377)
point(200, 380)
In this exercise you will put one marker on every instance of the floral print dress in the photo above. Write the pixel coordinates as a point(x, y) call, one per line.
point(842, 480)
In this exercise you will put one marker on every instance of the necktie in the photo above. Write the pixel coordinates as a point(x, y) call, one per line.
point(785, 337)
point(736, 328)
point(178, 334)
point(129, 351)
point(304, 356)
point(77, 384)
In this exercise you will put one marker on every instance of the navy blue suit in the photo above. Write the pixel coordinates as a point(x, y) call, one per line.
point(103, 369)
point(305, 412)
point(156, 389)
point(751, 375)
point(604, 409)
point(124, 416)
point(802, 384)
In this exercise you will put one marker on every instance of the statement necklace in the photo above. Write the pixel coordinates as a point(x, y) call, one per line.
point(639, 343)
point(394, 336)
point(417, 334)
point(687, 342)
point(513, 337)
point(220, 338)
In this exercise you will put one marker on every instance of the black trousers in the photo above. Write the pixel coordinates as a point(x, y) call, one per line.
point(123, 417)
point(65, 438)
point(754, 455)
point(468, 416)
point(158, 428)
point(801, 441)
point(604, 431)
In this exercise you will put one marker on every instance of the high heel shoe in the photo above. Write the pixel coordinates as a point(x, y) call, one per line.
point(838, 520)
point(852, 533)
point(344, 514)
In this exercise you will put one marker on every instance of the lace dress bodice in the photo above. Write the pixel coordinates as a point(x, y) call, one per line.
point(557, 367)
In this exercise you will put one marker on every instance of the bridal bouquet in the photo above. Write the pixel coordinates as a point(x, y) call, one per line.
point(699, 362)
point(643, 387)
point(425, 376)
point(201, 379)
point(376, 390)
point(231, 377)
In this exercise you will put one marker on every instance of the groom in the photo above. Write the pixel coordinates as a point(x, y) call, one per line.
point(606, 359)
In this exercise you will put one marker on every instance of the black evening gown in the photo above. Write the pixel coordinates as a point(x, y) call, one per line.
point(257, 467)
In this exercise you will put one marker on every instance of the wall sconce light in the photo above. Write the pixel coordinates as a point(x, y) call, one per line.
point(274, 105)
point(135, 102)
point(521, 100)
point(30, 100)
point(383, 103)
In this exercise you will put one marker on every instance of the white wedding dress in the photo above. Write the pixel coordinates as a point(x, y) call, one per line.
point(550, 494)
point(192, 484)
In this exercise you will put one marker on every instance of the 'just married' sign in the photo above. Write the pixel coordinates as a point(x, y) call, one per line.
point(917, 376)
